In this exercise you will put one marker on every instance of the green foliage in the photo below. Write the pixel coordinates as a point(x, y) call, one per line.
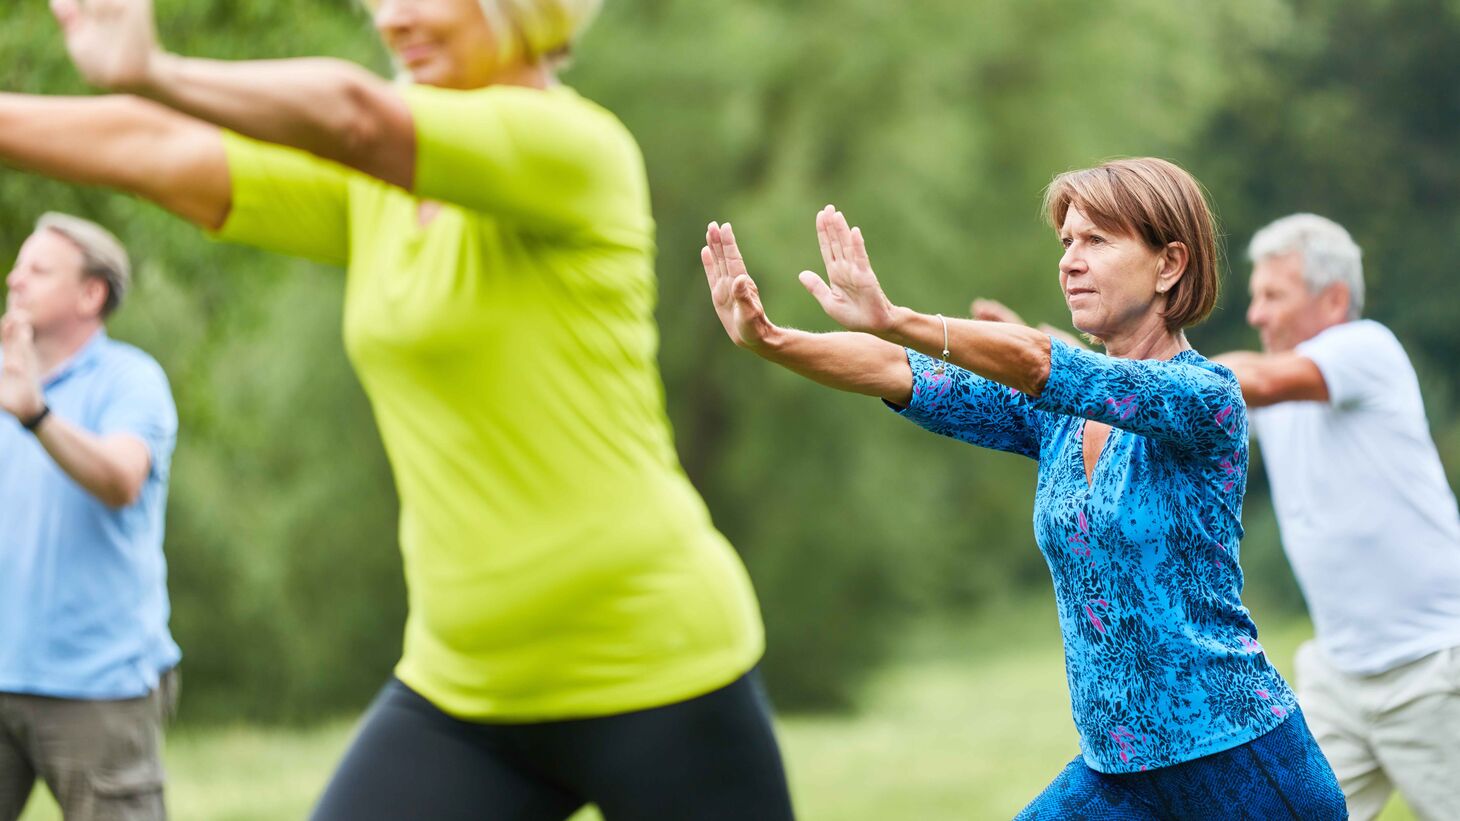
point(935, 126)
point(1352, 111)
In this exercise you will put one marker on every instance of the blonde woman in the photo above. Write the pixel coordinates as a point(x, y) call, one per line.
point(578, 631)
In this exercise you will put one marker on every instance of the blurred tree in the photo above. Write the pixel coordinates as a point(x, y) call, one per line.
point(1350, 110)
point(935, 126)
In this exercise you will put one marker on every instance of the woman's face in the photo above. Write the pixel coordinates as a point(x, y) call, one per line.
point(446, 43)
point(1114, 283)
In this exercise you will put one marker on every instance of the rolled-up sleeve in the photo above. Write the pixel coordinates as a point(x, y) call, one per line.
point(287, 201)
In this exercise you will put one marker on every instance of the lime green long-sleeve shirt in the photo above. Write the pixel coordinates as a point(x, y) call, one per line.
point(558, 562)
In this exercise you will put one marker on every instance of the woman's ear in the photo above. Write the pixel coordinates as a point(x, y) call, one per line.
point(1174, 258)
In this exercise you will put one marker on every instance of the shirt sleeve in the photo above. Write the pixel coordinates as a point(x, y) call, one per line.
point(965, 406)
point(1197, 409)
point(547, 159)
point(286, 200)
point(140, 403)
point(1359, 362)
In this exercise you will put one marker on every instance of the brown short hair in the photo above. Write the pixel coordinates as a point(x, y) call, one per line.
point(1159, 202)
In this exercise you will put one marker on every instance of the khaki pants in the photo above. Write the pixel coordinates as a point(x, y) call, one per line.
point(101, 759)
point(1399, 729)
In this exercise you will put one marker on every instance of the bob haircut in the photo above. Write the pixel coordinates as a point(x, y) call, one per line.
point(1158, 202)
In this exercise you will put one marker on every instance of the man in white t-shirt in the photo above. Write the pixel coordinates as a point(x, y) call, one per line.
point(1368, 521)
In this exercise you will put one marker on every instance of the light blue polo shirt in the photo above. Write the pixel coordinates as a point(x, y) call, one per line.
point(83, 587)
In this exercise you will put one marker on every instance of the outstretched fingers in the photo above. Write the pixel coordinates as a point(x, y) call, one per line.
point(823, 237)
point(841, 245)
point(734, 293)
point(859, 249)
point(818, 288)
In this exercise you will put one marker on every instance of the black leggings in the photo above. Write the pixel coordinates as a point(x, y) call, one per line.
point(712, 758)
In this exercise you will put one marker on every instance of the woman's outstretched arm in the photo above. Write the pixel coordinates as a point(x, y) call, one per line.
point(331, 108)
point(120, 142)
point(852, 362)
point(1012, 355)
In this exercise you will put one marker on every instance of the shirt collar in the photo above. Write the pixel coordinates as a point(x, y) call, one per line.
point(88, 354)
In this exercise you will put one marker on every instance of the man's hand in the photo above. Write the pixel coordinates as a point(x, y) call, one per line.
point(20, 379)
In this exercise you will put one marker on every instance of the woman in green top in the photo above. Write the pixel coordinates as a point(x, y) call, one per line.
point(578, 630)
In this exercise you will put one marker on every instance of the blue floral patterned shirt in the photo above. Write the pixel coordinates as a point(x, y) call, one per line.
point(1162, 658)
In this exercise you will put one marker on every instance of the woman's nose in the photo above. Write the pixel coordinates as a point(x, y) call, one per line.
point(391, 15)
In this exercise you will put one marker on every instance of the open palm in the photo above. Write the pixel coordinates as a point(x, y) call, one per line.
point(20, 391)
point(736, 298)
point(112, 42)
point(851, 294)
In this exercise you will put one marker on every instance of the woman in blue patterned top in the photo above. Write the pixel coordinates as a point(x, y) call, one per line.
point(1142, 456)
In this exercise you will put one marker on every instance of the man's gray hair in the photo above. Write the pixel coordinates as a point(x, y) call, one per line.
point(1328, 253)
point(102, 255)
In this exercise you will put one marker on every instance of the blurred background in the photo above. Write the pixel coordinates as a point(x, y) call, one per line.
point(914, 654)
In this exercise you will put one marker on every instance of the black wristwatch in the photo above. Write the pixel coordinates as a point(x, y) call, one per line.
point(35, 421)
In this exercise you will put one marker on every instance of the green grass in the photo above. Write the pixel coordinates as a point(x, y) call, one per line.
point(970, 725)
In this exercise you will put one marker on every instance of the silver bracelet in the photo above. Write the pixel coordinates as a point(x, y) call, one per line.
point(939, 370)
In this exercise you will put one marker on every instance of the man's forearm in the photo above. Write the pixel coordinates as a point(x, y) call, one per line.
point(111, 468)
point(1268, 379)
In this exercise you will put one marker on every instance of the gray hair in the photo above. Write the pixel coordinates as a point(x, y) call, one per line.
point(1329, 254)
point(102, 255)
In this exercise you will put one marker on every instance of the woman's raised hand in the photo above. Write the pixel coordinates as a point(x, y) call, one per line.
point(736, 299)
point(854, 297)
point(112, 42)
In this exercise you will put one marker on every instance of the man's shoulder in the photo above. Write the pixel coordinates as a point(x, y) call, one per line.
point(1357, 333)
point(1363, 346)
point(117, 354)
point(121, 365)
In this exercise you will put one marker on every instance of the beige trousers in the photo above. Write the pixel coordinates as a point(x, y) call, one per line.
point(1399, 729)
point(101, 759)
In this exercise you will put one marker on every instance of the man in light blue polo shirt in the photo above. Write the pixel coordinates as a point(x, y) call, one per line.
point(87, 427)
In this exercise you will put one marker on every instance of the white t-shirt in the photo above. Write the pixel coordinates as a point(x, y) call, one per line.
point(1367, 516)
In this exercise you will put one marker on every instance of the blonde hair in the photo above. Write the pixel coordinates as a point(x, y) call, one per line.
point(533, 30)
point(1159, 202)
point(102, 255)
point(539, 30)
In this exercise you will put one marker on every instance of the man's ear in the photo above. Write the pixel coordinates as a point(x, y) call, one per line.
point(1334, 301)
point(94, 294)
